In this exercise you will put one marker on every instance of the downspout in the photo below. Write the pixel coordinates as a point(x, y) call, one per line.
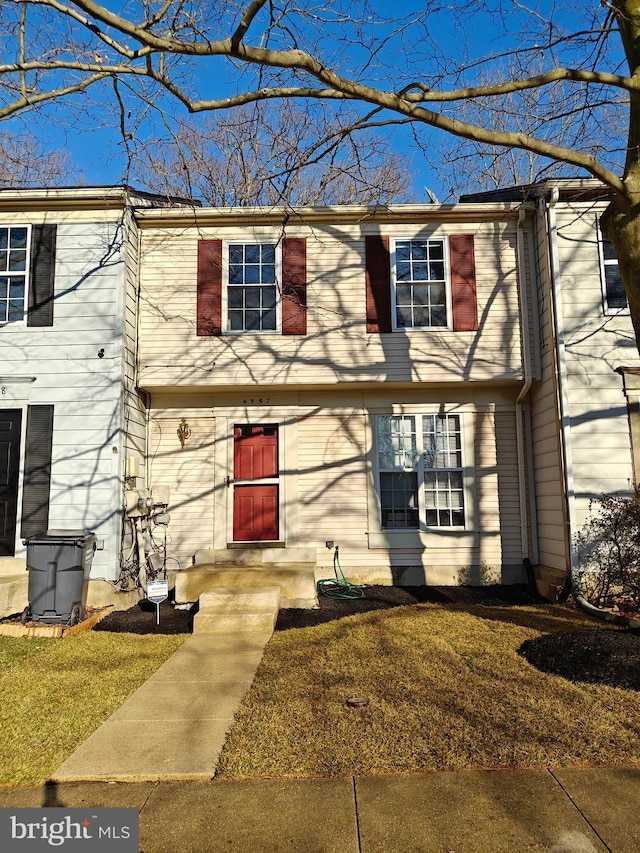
point(523, 454)
point(565, 427)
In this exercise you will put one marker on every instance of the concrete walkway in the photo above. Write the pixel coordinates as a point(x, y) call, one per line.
point(174, 726)
point(561, 811)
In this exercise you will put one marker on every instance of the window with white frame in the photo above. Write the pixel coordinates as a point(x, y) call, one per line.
point(420, 283)
point(613, 292)
point(421, 471)
point(14, 264)
point(252, 293)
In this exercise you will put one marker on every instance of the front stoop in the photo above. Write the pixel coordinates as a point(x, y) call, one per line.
point(296, 580)
point(229, 609)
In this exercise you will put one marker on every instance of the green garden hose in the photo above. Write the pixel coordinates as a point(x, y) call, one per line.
point(339, 586)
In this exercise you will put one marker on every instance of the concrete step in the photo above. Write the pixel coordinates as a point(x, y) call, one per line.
point(229, 609)
point(241, 619)
point(255, 556)
point(12, 566)
point(296, 582)
point(229, 598)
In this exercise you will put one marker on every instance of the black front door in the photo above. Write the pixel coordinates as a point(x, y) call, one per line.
point(10, 420)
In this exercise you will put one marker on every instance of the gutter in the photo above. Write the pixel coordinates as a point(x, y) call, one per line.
point(523, 456)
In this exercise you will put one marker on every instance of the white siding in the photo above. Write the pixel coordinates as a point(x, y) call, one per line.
point(337, 347)
point(84, 389)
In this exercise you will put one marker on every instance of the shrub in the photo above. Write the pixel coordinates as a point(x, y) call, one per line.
point(608, 548)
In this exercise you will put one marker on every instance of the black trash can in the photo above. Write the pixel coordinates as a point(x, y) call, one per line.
point(59, 562)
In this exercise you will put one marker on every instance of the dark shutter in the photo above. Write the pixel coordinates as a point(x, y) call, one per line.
point(294, 286)
point(41, 282)
point(209, 308)
point(37, 471)
point(463, 283)
point(378, 283)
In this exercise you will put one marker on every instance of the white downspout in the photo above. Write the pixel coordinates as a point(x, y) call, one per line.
point(561, 377)
point(529, 550)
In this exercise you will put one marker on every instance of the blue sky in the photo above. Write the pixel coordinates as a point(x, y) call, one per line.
point(96, 146)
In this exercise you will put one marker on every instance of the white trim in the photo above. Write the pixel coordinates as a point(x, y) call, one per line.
point(463, 468)
point(13, 273)
point(431, 237)
point(253, 241)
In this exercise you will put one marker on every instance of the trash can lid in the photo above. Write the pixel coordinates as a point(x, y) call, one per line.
point(60, 536)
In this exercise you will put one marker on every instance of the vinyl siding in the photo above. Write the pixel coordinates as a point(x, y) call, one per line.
point(84, 389)
point(595, 345)
point(328, 481)
point(337, 347)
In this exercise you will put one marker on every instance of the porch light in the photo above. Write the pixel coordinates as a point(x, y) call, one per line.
point(184, 432)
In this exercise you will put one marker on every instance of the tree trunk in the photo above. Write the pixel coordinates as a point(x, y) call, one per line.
point(621, 225)
point(621, 221)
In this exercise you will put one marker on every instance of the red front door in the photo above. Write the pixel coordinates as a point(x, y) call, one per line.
point(255, 483)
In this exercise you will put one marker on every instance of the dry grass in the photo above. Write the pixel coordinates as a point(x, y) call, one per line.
point(446, 689)
point(55, 693)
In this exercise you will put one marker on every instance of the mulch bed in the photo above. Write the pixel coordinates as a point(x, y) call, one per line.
point(596, 656)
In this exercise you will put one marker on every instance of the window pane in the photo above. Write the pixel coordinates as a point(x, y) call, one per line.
point(252, 275)
point(252, 297)
point(436, 250)
point(269, 320)
point(403, 271)
point(418, 251)
point(251, 254)
point(16, 309)
point(252, 321)
point(399, 499)
point(16, 287)
point(236, 274)
point(18, 238)
point(4, 286)
point(403, 294)
point(419, 272)
point(403, 251)
point(17, 259)
point(421, 317)
point(268, 254)
point(404, 318)
point(234, 296)
point(269, 297)
point(236, 254)
point(4, 238)
point(397, 442)
point(436, 271)
point(235, 321)
point(268, 274)
point(438, 317)
point(616, 296)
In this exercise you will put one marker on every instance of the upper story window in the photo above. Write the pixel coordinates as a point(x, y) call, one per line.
point(420, 284)
point(421, 472)
point(252, 293)
point(14, 267)
point(613, 292)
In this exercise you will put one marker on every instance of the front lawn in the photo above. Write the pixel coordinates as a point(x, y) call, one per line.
point(445, 687)
point(55, 693)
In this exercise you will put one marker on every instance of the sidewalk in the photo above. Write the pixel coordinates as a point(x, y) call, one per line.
point(500, 811)
point(174, 726)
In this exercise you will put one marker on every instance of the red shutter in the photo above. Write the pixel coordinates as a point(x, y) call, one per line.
point(378, 283)
point(209, 287)
point(463, 283)
point(294, 286)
